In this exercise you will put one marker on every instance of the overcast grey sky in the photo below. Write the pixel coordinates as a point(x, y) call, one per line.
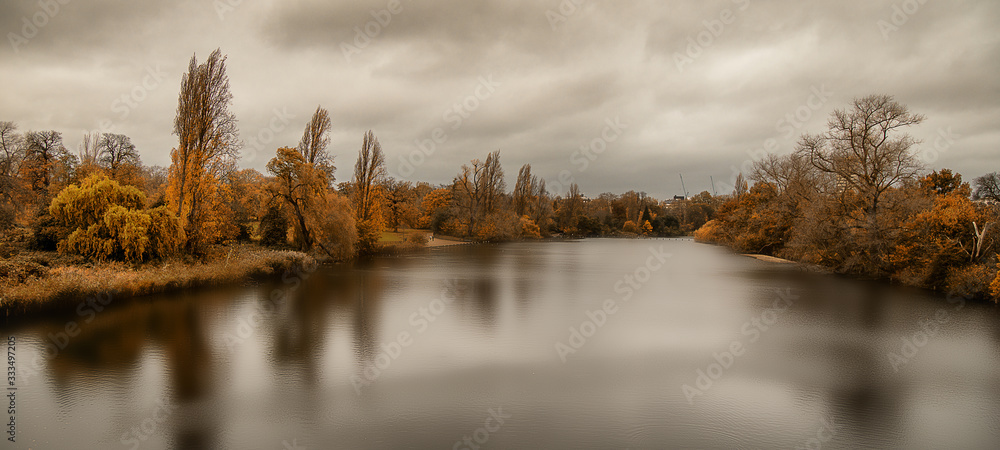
point(656, 88)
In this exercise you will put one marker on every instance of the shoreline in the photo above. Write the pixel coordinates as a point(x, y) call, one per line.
point(59, 286)
point(65, 286)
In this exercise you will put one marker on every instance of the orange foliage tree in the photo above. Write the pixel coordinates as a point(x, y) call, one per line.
point(206, 151)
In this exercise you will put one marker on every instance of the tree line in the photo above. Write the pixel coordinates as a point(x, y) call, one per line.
point(853, 199)
point(103, 203)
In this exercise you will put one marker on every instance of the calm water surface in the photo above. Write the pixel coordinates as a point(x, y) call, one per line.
point(508, 346)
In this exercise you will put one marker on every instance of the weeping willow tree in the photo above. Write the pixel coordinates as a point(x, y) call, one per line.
point(109, 222)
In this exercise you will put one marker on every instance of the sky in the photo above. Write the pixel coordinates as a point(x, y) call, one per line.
point(614, 96)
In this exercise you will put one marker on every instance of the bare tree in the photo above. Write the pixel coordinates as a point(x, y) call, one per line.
point(478, 188)
point(116, 151)
point(11, 154)
point(87, 150)
point(521, 197)
point(10, 146)
point(208, 143)
point(43, 150)
point(493, 185)
point(314, 141)
point(369, 175)
point(987, 187)
point(864, 148)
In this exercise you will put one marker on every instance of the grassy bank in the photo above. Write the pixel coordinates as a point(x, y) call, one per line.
point(46, 281)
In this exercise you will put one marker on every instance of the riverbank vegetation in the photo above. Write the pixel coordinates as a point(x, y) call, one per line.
point(72, 223)
point(855, 199)
point(850, 199)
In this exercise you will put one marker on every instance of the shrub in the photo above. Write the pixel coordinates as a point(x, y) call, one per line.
point(47, 232)
point(630, 227)
point(417, 238)
point(7, 216)
point(970, 281)
point(337, 231)
point(274, 227)
point(995, 284)
point(369, 233)
point(529, 230)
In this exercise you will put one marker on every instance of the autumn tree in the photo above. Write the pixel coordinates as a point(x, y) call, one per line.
point(207, 149)
point(944, 183)
point(108, 221)
point(368, 194)
point(868, 154)
point(399, 205)
point(950, 234)
point(243, 193)
point(434, 207)
point(299, 185)
point(315, 139)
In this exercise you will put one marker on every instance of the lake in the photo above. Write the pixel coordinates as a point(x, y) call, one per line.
point(599, 343)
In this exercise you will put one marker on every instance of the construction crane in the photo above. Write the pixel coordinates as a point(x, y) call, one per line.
point(684, 189)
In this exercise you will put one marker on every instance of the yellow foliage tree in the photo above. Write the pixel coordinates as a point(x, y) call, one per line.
point(647, 228)
point(109, 222)
point(529, 229)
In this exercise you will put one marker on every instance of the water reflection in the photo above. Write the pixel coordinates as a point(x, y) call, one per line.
point(237, 371)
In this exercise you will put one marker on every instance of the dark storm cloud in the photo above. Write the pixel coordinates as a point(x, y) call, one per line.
point(555, 73)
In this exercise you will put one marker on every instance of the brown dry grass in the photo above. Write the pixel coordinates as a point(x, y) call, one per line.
point(61, 285)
